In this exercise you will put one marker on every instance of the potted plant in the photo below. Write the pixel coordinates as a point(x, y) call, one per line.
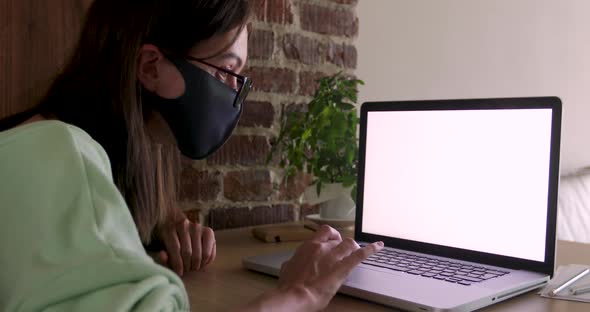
point(322, 141)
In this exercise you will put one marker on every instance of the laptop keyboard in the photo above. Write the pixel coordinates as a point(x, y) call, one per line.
point(448, 271)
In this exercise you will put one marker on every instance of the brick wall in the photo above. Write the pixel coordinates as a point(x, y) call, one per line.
point(293, 43)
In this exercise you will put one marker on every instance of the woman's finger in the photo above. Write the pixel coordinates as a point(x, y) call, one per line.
point(162, 258)
point(348, 263)
point(214, 253)
point(186, 247)
point(173, 247)
point(326, 233)
point(208, 244)
point(196, 257)
point(344, 249)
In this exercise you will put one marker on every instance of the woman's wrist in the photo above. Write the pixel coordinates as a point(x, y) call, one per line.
point(301, 297)
point(293, 298)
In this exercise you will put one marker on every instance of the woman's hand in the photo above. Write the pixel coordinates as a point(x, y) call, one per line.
point(189, 246)
point(321, 265)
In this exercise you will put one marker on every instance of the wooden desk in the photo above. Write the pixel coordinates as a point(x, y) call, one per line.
point(225, 284)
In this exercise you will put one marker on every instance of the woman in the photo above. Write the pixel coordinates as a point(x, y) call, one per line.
point(91, 174)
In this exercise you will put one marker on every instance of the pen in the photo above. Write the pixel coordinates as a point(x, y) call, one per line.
point(569, 282)
point(580, 289)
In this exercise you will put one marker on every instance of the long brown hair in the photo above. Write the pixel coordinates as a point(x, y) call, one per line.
point(98, 90)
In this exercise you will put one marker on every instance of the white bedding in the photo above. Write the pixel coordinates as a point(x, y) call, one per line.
point(573, 207)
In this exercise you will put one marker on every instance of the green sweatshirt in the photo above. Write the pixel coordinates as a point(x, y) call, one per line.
point(67, 237)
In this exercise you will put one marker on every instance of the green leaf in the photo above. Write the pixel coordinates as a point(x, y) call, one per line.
point(290, 172)
point(322, 141)
point(348, 180)
point(306, 134)
point(345, 106)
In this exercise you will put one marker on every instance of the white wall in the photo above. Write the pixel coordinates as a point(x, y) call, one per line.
point(425, 49)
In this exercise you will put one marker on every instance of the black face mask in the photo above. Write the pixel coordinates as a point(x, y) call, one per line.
point(203, 118)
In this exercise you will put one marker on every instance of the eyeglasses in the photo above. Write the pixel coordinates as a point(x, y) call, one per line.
point(241, 84)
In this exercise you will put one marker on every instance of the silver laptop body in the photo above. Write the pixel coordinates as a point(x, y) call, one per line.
point(464, 195)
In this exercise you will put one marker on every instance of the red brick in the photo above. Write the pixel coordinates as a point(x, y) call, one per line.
point(342, 55)
point(308, 82)
point(261, 44)
point(235, 217)
point(259, 9)
point(257, 114)
point(247, 185)
point(329, 21)
point(291, 188)
point(273, 11)
point(306, 50)
point(269, 79)
point(199, 185)
point(242, 150)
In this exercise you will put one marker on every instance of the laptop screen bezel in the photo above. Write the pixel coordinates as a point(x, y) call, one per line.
point(553, 103)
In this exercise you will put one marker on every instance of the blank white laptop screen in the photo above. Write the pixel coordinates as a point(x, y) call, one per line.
point(475, 179)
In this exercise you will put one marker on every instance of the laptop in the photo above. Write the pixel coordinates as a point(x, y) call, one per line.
point(464, 195)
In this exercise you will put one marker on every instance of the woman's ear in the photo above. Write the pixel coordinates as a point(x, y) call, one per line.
point(148, 62)
point(157, 74)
